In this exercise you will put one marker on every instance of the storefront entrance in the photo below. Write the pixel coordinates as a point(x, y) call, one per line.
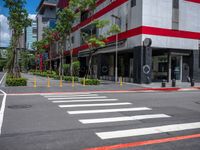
point(176, 67)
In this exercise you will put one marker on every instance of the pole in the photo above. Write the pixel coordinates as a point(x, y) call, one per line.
point(116, 59)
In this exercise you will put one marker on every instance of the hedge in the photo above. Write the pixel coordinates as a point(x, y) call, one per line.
point(69, 78)
point(10, 81)
point(90, 81)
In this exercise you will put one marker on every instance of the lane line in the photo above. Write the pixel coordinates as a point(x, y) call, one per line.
point(143, 143)
point(147, 131)
point(108, 110)
point(53, 96)
point(2, 109)
point(2, 78)
point(118, 119)
point(77, 98)
point(91, 100)
point(92, 105)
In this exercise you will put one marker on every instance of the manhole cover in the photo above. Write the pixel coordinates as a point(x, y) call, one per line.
point(20, 106)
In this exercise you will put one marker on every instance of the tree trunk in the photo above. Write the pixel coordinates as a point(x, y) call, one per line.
point(50, 56)
point(71, 62)
point(90, 65)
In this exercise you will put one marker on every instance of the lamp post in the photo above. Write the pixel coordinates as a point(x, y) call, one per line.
point(116, 49)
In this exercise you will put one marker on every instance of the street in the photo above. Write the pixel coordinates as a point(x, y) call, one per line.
point(78, 121)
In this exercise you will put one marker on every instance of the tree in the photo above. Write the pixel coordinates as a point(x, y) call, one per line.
point(18, 20)
point(95, 41)
point(65, 22)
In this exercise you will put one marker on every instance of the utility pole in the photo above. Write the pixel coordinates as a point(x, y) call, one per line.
point(116, 49)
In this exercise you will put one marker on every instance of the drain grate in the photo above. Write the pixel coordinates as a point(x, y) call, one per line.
point(19, 106)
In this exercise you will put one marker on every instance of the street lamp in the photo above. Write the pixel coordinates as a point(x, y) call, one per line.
point(116, 49)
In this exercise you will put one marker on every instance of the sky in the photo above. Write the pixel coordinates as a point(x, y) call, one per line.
point(31, 6)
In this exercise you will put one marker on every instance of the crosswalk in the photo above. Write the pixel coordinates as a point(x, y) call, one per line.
point(90, 105)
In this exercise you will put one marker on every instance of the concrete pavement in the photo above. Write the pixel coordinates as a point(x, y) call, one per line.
point(39, 122)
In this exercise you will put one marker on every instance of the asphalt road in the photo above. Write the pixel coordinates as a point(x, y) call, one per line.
point(86, 120)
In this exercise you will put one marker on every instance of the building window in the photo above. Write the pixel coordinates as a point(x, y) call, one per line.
point(133, 3)
point(175, 15)
point(176, 4)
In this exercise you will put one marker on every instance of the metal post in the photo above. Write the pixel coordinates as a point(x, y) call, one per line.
point(173, 83)
point(116, 59)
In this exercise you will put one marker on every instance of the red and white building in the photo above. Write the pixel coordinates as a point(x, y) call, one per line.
point(170, 29)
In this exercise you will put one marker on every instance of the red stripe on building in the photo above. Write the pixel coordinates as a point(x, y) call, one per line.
point(170, 33)
point(194, 1)
point(100, 13)
point(143, 143)
point(146, 30)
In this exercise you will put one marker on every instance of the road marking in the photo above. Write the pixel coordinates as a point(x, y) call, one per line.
point(118, 119)
point(91, 100)
point(143, 143)
point(147, 131)
point(52, 96)
point(2, 109)
point(64, 93)
point(108, 110)
point(77, 98)
point(91, 105)
point(2, 78)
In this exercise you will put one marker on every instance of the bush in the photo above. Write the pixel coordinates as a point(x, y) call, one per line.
point(90, 81)
point(66, 68)
point(69, 78)
point(10, 81)
point(76, 68)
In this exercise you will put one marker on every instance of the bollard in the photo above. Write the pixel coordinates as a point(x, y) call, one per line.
point(61, 83)
point(84, 81)
point(192, 83)
point(163, 84)
point(48, 82)
point(121, 82)
point(173, 83)
point(34, 83)
point(72, 81)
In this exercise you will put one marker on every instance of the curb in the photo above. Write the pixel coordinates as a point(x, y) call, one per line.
point(140, 90)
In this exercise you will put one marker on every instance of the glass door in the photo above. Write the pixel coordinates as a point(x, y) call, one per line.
point(176, 67)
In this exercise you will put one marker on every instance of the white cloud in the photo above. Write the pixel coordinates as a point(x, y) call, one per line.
point(5, 31)
point(32, 16)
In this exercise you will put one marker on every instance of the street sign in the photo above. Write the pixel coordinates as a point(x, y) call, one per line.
point(146, 69)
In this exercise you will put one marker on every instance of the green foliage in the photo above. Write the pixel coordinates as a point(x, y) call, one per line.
point(69, 78)
point(27, 60)
point(115, 29)
point(66, 68)
point(2, 64)
point(18, 20)
point(12, 81)
point(76, 68)
point(90, 81)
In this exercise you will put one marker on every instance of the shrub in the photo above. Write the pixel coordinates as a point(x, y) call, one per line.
point(69, 78)
point(66, 68)
point(76, 68)
point(10, 81)
point(90, 81)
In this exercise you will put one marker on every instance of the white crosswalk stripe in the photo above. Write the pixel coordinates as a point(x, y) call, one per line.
point(77, 98)
point(91, 100)
point(60, 96)
point(110, 107)
point(90, 105)
point(108, 110)
point(147, 131)
point(118, 119)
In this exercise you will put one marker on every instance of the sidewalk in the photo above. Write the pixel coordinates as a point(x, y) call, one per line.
point(105, 86)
